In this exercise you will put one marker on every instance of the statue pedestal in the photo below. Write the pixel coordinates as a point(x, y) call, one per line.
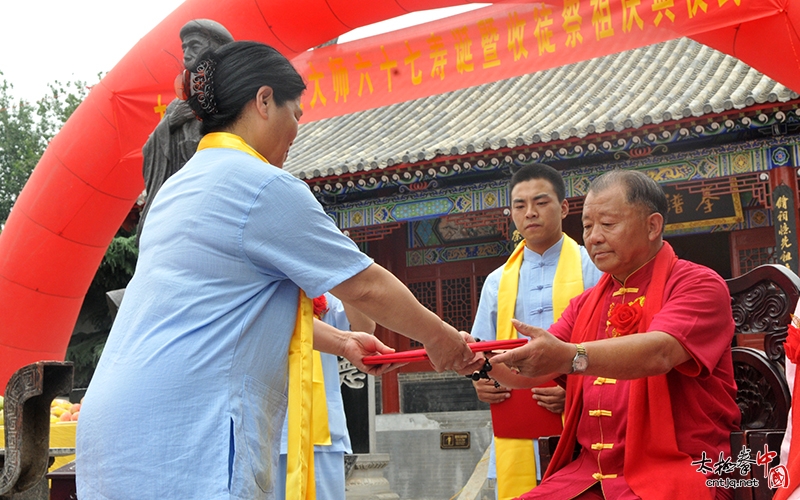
point(366, 481)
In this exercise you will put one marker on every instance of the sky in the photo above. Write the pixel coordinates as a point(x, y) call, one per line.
point(42, 41)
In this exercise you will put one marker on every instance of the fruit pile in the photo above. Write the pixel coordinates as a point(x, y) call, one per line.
point(62, 410)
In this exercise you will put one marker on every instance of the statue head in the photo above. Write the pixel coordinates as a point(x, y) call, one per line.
point(199, 35)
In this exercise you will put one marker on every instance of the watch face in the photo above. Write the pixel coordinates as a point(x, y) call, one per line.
point(581, 363)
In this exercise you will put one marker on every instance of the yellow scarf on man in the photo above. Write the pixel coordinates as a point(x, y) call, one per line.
point(300, 452)
point(516, 464)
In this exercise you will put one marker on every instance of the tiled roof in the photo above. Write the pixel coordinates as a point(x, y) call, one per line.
point(671, 80)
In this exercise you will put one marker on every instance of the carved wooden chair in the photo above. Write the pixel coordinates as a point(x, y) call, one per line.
point(762, 302)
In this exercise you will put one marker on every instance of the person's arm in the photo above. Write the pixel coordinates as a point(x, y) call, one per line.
point(627, 357)
point(329, 261)
point(359, 322)
point(381, 296)
point(353, 346)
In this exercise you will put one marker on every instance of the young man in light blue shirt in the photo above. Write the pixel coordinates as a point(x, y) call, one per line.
point(538, 206)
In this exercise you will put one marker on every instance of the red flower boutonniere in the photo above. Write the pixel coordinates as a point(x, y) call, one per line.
point(792, 344)
point(320, 306)
point(624, 318)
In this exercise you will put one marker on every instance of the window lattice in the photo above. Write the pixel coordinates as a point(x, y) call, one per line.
point(479, 281)
point(751, 258)
point(425, 292)
point(457, 303)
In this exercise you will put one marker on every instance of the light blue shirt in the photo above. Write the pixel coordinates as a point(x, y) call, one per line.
point(337, 422)
point(190, 394)
point(534, 305)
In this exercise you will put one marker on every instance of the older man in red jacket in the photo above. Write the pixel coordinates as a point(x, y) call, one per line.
point(650, 387)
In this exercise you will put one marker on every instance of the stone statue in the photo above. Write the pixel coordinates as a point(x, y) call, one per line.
point(175, 138)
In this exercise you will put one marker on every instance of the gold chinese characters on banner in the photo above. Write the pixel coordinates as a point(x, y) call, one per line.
point(491, 44)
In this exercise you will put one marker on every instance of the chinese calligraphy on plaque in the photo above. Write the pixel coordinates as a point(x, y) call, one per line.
point(701, 207)
point(783, 220)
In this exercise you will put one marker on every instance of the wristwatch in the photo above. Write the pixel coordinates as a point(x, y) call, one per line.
point(581, 361)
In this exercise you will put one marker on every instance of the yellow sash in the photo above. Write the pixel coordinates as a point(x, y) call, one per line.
point(300, 449)
point(320, 431)
point(516, 464)
point(300, 453)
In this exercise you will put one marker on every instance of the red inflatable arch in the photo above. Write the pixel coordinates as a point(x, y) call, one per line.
point(91, 173)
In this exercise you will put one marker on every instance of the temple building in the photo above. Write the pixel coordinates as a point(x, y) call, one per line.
point(421, 186)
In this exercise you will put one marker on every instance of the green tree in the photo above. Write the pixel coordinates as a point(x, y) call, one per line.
point(115, 271)
point(21, 146)
point(25, 131)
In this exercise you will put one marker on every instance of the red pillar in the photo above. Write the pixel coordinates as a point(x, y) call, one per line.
point(390, 253)
point(390, 386)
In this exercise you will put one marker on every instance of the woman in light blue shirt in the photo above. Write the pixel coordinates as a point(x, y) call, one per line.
point(190, 394)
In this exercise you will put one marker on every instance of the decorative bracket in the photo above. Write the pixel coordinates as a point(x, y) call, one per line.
point(27, 423)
